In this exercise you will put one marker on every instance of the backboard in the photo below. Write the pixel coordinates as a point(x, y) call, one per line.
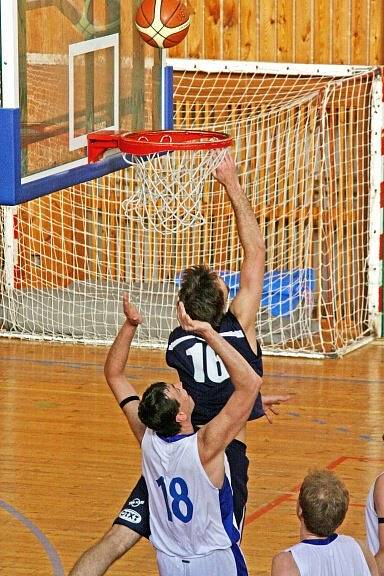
point(69, 67)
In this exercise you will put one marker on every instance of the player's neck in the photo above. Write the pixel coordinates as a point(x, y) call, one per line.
point(305, 534)
point(186, 427)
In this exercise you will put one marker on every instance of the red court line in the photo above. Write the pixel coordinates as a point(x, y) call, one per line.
point(288, 495)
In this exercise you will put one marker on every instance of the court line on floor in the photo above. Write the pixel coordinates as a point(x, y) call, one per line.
point(53, 556)
point(293, 491)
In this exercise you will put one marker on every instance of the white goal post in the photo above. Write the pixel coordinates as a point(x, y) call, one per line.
point(307, 145)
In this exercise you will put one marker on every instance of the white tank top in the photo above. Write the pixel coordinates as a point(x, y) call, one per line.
point(189, 516)
point(371, 521)
point(337, 555)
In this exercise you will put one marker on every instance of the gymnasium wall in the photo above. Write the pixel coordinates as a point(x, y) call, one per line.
point(306, 31)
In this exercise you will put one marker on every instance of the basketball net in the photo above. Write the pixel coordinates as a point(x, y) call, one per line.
point(169, 188)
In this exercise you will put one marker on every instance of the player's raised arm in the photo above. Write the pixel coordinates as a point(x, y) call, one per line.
point(115, 364)
point(215, 436)
point(247, 301)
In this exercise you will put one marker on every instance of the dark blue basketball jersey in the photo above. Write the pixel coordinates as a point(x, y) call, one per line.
point(203, 373)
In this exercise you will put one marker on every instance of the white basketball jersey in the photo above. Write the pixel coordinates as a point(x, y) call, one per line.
point(189, 516)
point(337, 555)
point(371, 521)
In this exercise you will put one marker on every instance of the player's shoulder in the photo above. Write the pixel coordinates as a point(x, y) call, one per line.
point(179, 337)
point(379, 482)
point(378, 494)
point(283, 564)
point(176, 333)
point(229, 322)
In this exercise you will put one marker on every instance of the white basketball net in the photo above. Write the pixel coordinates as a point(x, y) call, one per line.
point(169, 188)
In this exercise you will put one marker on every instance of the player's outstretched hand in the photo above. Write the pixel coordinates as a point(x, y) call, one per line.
point(270, 403)
point(190, 325)
point(226, 172)
point(132, 314)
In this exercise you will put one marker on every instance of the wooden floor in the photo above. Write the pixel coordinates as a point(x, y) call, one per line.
point(68, 460)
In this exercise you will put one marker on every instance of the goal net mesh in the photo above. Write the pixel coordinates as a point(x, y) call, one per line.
point(302, 144)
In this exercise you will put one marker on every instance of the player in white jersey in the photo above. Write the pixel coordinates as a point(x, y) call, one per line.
point(190, 496)
point(321, 508)
point(239, 325)
point(374, 521)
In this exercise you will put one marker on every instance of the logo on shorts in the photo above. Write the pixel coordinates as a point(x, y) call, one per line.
point(130, 516)
point(136, 502)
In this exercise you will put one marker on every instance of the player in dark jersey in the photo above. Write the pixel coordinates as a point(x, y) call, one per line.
point(203, 375)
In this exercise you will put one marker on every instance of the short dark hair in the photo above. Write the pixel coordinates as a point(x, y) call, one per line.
point(324, 501)
point(201, 294)
point(159, 412)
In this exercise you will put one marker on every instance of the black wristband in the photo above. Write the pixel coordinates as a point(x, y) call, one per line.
point(128, 399)
point(380, 520)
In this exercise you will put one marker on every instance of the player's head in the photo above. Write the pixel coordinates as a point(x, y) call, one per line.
point(323, 502)
point(164, 407)
point(204, 294)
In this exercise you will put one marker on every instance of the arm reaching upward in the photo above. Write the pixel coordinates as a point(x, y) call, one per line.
point(247, 301)
point(115, 365)
point(215, 436)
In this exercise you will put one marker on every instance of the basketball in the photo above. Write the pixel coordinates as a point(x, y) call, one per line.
point(162, 23)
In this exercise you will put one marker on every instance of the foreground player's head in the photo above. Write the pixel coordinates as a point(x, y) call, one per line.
point(204, 294)
point(323, 502)
point(164, 408)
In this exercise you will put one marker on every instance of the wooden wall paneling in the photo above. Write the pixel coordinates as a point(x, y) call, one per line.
point(213, 29)
point(321, 45)
point(268, 31)
point(305, 30)
point(286, 31)
point(195, 41)
point(359, 32)
point(138, 77)
point(231, 29)
point(249, 30)
point(375, 31)
point(341, 32)
point(43, 18)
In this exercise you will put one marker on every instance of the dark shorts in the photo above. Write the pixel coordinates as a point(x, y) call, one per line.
point(135, 512)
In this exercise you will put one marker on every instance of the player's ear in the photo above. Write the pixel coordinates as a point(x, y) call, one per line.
point(181, 416)
point(299, 511)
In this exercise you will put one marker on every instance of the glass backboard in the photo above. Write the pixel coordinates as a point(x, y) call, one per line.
point(70, 67)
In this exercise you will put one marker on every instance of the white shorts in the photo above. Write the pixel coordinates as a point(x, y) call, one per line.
point(228, 562)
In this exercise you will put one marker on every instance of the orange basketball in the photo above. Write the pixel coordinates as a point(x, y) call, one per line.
point(162, 23)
